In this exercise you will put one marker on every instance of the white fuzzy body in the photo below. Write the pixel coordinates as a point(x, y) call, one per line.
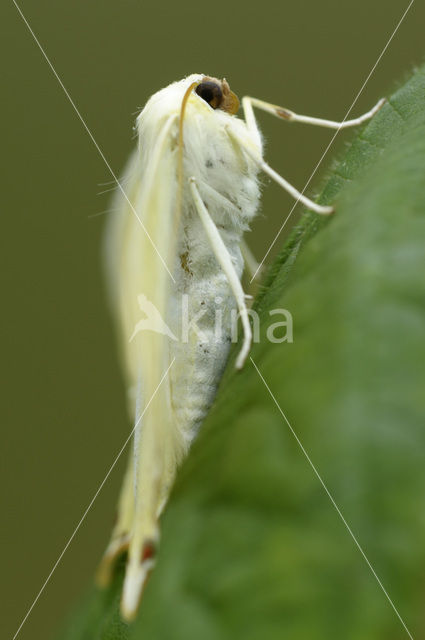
point(229, 189)
point(201, 287)
point(226, 177)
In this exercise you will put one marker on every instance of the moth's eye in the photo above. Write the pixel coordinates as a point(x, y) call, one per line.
point(210, 92)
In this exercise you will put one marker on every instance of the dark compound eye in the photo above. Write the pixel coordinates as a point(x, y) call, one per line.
point(210, 92)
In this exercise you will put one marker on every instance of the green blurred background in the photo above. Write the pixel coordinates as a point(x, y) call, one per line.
point(64, 413)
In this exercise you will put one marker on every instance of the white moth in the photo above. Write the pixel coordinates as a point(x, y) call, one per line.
point(175, 250)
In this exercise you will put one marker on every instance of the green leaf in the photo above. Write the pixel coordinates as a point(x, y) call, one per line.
point(252, 546)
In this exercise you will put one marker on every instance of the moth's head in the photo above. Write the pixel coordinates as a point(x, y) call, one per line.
point(196, 93)
point(217, 94)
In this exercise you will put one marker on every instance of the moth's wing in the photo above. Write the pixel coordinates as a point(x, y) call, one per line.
point(118, 227)
point(120, 538)
point(140, 252)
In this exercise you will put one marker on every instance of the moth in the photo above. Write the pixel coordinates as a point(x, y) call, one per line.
point(174, 250)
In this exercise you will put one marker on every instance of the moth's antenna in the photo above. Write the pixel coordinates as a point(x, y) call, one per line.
point(180, 150)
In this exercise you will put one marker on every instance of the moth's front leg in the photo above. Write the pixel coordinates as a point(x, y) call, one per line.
point(290, 116)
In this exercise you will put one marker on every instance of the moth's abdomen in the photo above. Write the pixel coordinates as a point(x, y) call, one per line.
point(203, 311)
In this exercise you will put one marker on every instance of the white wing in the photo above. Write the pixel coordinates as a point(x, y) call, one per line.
point(139, 259)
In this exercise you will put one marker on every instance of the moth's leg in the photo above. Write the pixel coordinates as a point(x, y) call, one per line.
point(248, 103)
point(252, 266)
point(255, 155)
point(286, 114)
point(223, 257)
point(297, 195)
point(250, 120)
